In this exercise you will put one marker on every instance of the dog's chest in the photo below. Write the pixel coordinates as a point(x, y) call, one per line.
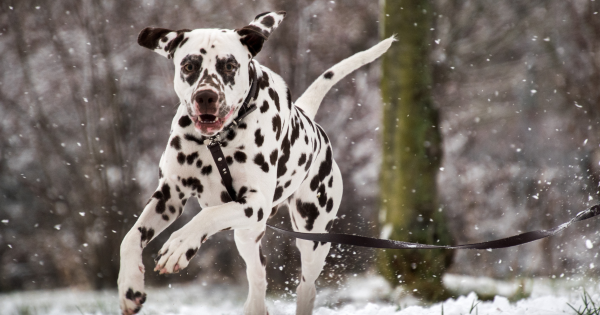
point(271, 151)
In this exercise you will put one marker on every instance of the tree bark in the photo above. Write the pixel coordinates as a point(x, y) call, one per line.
point(412, 151)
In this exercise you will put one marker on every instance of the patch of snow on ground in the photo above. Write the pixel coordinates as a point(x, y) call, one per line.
point(361, 295)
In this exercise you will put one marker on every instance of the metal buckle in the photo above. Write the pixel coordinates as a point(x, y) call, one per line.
point(214, 140)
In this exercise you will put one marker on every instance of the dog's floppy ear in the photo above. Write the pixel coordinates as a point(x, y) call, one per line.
point(161, 40)
point(254, 35)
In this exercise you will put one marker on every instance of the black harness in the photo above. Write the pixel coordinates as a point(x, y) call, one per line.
point(214, 147)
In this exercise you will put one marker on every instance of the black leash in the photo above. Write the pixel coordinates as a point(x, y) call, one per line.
point(391, 244)
point(215, 149)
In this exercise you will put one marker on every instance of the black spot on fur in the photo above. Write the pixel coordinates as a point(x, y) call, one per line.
point(225, 198)
point(248, 212)
point(310, 159)
point(196, 62)
point(181, 195)
point(263, 82)
point(315, 246)
point(330, 182)
point(129, 294)
point(325, 167)
point(241, 199)
point(322, 132)
point(288, 96)
point(191, 158)
point(322, 195)
point(277, 126)
point(314, 183)
point(285, 156)
point(229, 160)
point(190, 137)
point(172, 209)
point(264, 107)
point(206, 170)
point(185, 121)
point(328, 75)
point(308, 211)
point(146, 235)
point(329, 205)
point(287, 184)
point(268, 21)
point(199, 163)
point(158, 195)
point(258, 138)
point(278, 193)
point(150, 36)
point(252, 37)
point(181, 158)
point(228, 76)
point(176, 143)
point(273, 157)
point(165, 217)
point(262, 14)
point(302, 159)
point(193, 183)
point(242, 125)
point(231, 135)
point(259, 214)
point(203, 51)
point(259, 160)
point(295, 131)
point(160, 173)
point(191, 253)
point(240, 156)
point(275, 98)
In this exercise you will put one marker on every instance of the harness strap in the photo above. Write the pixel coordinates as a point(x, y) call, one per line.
point(214, 147)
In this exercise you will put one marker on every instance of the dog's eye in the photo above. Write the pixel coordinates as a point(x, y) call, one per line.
point(229, 67)
point(188, 67)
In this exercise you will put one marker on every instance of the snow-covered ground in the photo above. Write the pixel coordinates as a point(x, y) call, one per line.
point(359, 295)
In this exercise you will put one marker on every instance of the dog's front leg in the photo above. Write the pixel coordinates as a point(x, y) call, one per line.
point(249, 212)
point(165, 205)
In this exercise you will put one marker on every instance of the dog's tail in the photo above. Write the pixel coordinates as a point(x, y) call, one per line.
point(312, 97)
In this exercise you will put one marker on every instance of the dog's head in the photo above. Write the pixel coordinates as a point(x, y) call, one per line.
point(212, 66)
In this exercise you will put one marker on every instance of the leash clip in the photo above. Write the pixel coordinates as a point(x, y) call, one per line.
point(214, 140)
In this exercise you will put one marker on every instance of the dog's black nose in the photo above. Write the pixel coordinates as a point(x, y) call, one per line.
point(207, 101)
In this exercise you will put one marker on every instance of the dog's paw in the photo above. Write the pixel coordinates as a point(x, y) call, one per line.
point(177, 252)
point(131, 289)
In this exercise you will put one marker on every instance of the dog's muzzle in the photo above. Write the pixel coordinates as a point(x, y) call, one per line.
point(207, 120)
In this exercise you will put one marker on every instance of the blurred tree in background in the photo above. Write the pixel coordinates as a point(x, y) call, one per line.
point(412, 154)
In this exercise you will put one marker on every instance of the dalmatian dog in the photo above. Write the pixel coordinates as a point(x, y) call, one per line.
point(277, 155)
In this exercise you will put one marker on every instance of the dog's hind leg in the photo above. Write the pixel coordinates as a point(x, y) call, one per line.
point(313, 211)
point(248, 243)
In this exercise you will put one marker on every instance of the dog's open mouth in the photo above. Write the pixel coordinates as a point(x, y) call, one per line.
point(208, 119)
point(207, 124)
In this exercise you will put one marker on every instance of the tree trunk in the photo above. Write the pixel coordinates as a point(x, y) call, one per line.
point(412, 152)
